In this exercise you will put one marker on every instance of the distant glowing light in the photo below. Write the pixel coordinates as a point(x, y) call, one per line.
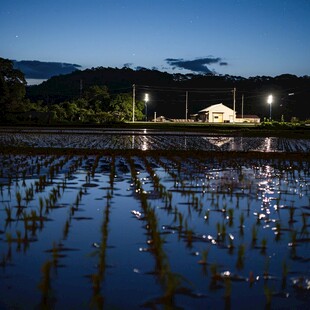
point(146, 97)
point(269, 101)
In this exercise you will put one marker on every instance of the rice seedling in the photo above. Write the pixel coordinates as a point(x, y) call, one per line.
point(293, 242)
point(264, 246)
point(41, 206)
point(228, 289)
point(38, 168)
point(19, 239)
point(24, 172)
point(291, 214)
point(18, 198)
point(180, 217)
point(254, 235)
point(237, 200)
point(231, 246)
point(230, 217)
point(47, 205)
point(45, 285)
point(266, 273)
point(241, 256)
point(66, 229)
point(51, 173)
point(207, 215)
point(241, 223)
point(33, 218)
point(304, 217)
point(268, 295)
point(277, 231)
point(3, 262)
point(8, 212)
point(97, 300)
point(223, 232)
point(204, 257)
point(112, 172)
point(55, 255)
point(29, 192)
point(77, 201)
point(189, 237)
point(9, 183)
point(285, 271)
point(9, 238)
point(215, 276)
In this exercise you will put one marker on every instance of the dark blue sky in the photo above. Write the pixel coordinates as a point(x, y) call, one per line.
point(245, 37)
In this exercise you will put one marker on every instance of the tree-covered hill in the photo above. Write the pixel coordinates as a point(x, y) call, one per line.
point(167, 92)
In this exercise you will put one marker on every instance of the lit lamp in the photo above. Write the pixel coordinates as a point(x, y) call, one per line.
point(269, 101)
point(146, 99)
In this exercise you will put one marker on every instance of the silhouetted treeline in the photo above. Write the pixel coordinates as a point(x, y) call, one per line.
point(167, 92)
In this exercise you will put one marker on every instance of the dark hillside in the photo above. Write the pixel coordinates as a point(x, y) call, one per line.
point(167, 92)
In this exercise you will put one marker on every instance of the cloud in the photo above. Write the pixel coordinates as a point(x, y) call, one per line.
point(34, 69)
point(128, 65)
point(199, 65)
point(139, 68)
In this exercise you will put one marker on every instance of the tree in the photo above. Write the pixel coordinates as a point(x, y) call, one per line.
point(59, 112)
point(121, 106)
point(98, 98)
point(12, 88)
point(71, 110)
point(33, 106)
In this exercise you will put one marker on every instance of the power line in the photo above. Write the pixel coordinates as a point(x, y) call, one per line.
point(183, 89)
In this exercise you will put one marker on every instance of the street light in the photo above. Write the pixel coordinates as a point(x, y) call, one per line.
point(146, 99)
point(269, 101)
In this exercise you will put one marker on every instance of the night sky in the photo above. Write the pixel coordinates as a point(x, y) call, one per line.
point(245, 37)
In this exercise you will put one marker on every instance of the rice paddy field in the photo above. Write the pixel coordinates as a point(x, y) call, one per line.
point(130, 220)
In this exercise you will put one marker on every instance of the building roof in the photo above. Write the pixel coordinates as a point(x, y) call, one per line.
point(218, 106)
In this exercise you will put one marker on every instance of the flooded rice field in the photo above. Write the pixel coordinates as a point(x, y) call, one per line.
point(148, 140)
point(150, 231)
point(130, 230)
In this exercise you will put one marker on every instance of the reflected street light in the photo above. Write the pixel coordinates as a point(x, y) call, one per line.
point(146, 99)
point(269, 101)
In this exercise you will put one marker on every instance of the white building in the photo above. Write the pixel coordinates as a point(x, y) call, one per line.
point(247, 119)
point(217, 113)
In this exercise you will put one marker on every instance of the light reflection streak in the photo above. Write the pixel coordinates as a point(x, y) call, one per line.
point(267, 144)
point(133, 142)
point(144, 145)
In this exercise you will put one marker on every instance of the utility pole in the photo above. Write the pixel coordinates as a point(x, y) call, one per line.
point(186, 104)
point(133, 102)
point(234, 91)
point(242, 101)
point(81, 88)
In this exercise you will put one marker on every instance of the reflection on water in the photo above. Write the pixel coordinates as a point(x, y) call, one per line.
point(220, 141)
point(267, 144)
point(152, 231)
point(133, 142)
point(152, 141)
point(144, 145)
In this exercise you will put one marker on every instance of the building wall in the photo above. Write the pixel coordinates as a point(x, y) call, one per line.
point(221, 114)
point(247, 120)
